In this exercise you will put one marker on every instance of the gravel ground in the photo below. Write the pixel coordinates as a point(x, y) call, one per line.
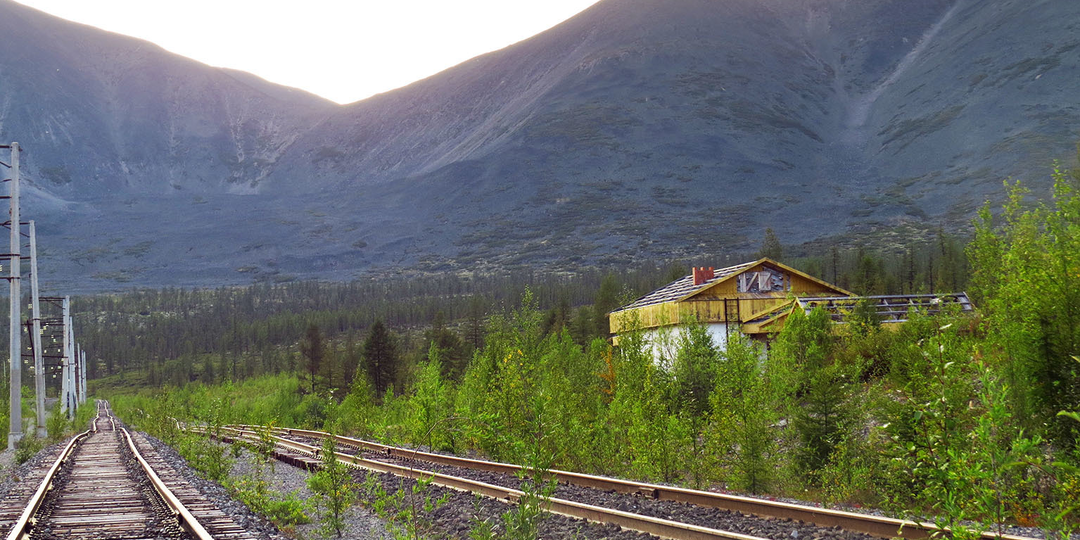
point(214, 492)
point(359, 521)
point(691, 514)
point(160, 523)
point(19, 482)
point(13, 474)
point(713, 518)
point(461, 512)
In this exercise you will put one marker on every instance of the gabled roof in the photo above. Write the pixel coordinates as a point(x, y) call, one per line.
point(684, 287)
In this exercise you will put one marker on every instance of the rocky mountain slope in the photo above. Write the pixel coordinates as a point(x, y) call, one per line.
point(639, 128)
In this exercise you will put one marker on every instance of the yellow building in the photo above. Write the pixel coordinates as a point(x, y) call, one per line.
point(754, 299)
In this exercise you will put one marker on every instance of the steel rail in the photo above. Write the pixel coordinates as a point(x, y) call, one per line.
point(187, 520)
point(660, 527)
point(880, 526)
point(20, 529)
point(25, 521)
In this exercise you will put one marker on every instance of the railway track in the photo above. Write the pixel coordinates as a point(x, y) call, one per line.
point(102, 487)
point(305, 455)
point(496, 480)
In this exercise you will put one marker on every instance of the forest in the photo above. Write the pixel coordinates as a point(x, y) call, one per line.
point(970, 421)
point(175, 336)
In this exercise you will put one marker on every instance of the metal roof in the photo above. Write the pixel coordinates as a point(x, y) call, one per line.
point(684, 286)
point(890, 308)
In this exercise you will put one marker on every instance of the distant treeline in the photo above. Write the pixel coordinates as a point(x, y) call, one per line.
point(177, 335)
point(970, 422)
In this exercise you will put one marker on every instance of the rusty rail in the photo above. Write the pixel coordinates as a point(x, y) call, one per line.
point(23, 527)
point(187, 520)
point(656, 526)
point(19, 529)
point(880, 526)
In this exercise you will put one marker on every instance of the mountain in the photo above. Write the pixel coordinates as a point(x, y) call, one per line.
point(637, 129)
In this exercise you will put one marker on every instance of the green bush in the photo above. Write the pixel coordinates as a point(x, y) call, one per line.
point(27, 447)
point(334, 489)
point(283, 509)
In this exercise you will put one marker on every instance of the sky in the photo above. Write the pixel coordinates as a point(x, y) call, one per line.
point(343, 50)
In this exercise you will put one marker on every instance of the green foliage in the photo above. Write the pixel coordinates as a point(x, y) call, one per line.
point(334, 489)
point(651, 434)
point(430, 409)
point(380, 357)
point(59, 427)
point(770, 246)
point(745, 411)
point(27, 447)
point(823, 415)
point(822, 418)
point(312, 350)
point(453, 352)
point(1027, 276)
point(695, 368)
point(205, 456)
point(928, 434)
point(524, 520)
point(848, 476)
point(284, 510)
point(357, 413)
point(404, 509)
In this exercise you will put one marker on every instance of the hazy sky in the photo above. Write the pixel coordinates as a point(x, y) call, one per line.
point(343, 50)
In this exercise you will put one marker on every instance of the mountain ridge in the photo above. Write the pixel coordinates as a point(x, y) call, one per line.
point(635, 130)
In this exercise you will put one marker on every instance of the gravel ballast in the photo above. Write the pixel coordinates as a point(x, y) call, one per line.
point(776, 529)
point(284, 479)
point(217, 494)
point(460, 512)
point(713, 518)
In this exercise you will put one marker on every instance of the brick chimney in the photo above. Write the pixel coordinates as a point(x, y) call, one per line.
point(701, 275)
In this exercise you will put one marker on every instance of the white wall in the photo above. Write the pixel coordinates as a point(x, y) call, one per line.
point(664, 341)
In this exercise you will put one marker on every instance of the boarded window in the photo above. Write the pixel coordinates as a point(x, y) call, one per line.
point(766, 280)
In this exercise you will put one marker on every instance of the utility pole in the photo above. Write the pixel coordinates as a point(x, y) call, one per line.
point(73, 361)
point(14, 256)
point(78, 374)
point(35, 336)
point(82, 379)
point(65, 386)
point(72, 396)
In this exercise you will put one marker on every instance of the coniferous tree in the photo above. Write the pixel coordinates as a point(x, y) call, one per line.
point(312, 350)
point(695, 368)
point(475, 327)
point(607, 300)
point(770, 246)
point(208, 369)
point(351, 362)
point(1027, 276)
point(380, 357)
point(451, 349)
point(807, 344)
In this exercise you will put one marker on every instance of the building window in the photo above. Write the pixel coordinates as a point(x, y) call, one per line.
point(766, 280)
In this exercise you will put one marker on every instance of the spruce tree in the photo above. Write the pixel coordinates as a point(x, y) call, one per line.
point(312, 350)
point(380, 357)
point(770, 246)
